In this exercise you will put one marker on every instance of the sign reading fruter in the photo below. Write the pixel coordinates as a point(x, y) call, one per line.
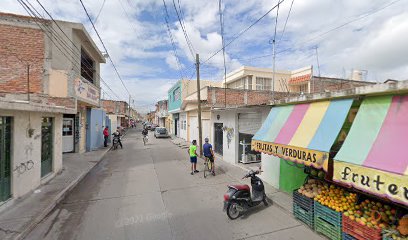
point(304, 156)
point(383, 184)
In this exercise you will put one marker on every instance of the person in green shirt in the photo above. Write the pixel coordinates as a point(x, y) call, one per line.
point(192, 151)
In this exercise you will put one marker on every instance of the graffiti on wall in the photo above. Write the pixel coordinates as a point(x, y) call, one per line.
point(23, 167)
point(230, 134)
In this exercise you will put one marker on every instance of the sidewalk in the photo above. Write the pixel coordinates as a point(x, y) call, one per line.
point(280, 199)
point(25, 213)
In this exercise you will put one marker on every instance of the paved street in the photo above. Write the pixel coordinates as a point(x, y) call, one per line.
point(147, 192)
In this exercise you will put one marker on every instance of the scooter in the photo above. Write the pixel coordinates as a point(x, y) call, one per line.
point(238, 198)
point(115, 141)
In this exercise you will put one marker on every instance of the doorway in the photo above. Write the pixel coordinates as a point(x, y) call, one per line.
point(68, 135)
point(218, 138)
point(175, 126)
point(5, 158)
point(46, 145)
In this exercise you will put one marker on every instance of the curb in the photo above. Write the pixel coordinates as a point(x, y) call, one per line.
point(57, 199)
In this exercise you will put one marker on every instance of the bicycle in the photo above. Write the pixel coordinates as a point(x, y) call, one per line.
point(207, 166)
point(145, 139)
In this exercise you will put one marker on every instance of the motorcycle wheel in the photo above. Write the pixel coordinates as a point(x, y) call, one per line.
point(232, 211)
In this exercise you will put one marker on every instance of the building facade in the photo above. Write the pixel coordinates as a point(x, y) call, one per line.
point(44, 99)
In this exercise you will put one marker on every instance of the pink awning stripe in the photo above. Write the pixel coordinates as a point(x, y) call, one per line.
point(288, 130)
point(390, 150)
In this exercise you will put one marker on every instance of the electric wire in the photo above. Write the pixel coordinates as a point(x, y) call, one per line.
point(286, 22)
point(166, 19)
point(189, 44)
point(244, 31)
point(99, 13)
point(223, 51)
point(103, 45)
point(67, 45)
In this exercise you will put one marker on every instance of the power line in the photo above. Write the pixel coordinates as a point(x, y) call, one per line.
point(166, 17)
point(243, 31)
point(61, 41)
point(364, 15)
point(99, 13)
point(189, 44)
point(103, 44)
point(286, 21)
point(223, 51)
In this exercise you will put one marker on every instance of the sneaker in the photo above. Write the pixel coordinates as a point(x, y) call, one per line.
point(192, 173)
point(196, 171)
point(213, 173)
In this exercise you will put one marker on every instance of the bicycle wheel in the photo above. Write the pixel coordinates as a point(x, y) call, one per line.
point(205, 168)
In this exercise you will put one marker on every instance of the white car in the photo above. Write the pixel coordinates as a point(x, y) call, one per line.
point(161, 132)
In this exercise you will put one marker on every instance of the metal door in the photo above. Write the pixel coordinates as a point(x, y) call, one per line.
point(218, 138)
point(68, 135)
point(5, 156)
point(46, 146)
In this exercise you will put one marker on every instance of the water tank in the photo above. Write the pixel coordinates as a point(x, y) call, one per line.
point(358, 75)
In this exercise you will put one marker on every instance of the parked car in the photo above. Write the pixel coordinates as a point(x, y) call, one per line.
point(161, 132)
point(153, 127)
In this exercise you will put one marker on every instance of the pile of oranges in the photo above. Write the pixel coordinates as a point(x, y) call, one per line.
point(337, 199)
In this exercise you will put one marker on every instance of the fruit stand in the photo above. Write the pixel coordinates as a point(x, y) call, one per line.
point(339, 213)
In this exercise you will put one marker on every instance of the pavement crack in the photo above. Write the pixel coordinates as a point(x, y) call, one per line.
point(7, 231)
point(262, 234)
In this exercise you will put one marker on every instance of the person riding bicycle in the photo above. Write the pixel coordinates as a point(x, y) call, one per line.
point(145, 132)
point(208, 153)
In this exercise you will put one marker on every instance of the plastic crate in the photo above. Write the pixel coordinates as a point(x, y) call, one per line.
point(303, 201)
point(304, 215)
point(328, 229)
point(327, 214)
point(360, 231)
point(348, 237)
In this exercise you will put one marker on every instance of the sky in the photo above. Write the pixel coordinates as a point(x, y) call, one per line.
point(348, 34)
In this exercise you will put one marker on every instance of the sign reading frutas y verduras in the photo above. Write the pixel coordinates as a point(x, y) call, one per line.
point(383, 184)
point(304, 156)
point(86, 91)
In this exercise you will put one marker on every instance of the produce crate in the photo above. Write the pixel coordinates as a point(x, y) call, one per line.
point(348, 237)
point(328, 229)
point(303, 201)
point(360, 231)
point(304, 215)
point(327, 214)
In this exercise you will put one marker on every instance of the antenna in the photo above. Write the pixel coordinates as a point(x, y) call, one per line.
point(317, 57)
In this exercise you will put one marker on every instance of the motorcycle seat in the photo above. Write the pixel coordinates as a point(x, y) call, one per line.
point(240, 187)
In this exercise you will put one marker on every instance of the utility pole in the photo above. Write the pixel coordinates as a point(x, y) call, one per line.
point(200, 138)
point(318, 70)
point(129, 113)
point(273, 69)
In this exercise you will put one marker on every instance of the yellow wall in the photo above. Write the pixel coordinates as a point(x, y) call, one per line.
point(58, 84)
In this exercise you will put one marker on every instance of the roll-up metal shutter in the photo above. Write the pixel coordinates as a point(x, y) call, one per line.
point(249, 123)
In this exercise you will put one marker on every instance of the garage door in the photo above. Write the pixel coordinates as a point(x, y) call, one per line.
point(249, 123)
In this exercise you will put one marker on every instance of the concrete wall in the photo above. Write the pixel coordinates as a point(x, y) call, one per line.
point(25, 148)
point(114, 121)
point(230, 120)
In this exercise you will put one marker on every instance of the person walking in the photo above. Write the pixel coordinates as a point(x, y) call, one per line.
point(105, 136)
point(193, 157)
point(208, 153)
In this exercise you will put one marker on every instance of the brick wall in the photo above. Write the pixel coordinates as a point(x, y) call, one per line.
point(240, 97)
point(322, 84)
point(116, 107)
point(20, 46)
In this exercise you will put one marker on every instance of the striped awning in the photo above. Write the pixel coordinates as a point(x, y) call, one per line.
point(302, 133)
point(374, 156)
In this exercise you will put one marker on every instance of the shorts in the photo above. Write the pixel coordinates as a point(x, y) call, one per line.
point(211, 158)
point(193, 159)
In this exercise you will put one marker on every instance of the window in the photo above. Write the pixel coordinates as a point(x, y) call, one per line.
point(176, 94)
point(263, 83)
point(87, 67)
point(303, 88)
